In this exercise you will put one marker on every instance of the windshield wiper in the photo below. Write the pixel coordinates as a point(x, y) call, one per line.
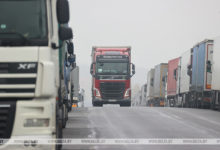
point(5, 41)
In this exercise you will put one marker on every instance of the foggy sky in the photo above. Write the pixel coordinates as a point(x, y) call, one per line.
point(157, 30)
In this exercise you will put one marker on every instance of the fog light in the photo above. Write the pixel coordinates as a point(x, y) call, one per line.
point(34, 143)
point(36, 123)
point(26, 143)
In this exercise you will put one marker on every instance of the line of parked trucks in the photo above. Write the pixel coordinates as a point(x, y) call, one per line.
point(191, 80)
point(39, 79)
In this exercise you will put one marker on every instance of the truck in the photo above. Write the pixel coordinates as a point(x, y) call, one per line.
point(201, 77)
point(159, 85)
point(172, 77)
point(75, 85)
point(150, 86)
point(69, 65)
point(32, 37)
point(215, 102)
point(81, 98)
point(143, 97)
point(183, 80)
point(111, 71)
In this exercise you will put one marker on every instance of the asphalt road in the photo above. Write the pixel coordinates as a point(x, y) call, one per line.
point(142, 122)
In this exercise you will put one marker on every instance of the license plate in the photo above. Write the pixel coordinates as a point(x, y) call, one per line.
point(112, 100)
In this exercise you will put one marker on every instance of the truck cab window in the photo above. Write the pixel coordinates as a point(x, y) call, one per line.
point(112, 68)
point(26, 25)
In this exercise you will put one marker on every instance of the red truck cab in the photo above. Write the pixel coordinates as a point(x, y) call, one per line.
point(111, 74)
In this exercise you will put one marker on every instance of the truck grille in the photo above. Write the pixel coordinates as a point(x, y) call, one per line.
point(17, 80)
point(112, 90)
point(7, 115)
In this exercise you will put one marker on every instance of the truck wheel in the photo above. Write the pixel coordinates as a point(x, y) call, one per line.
point(97, 105)
point(128, 104)
point(59, 133)
point(63, 117)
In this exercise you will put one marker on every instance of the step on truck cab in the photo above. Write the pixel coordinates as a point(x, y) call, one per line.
point(111, 75)
point(31, 37)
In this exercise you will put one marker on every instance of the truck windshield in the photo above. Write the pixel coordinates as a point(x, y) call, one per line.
point(111, 68)
point(23, 23)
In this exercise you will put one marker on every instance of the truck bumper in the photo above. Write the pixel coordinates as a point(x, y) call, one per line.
point(102, 101)
point(33, 119)
point(27, 143)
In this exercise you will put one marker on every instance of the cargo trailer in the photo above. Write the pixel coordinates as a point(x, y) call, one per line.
point(172, 81)
point(200, 87)
point(159, 84)
point(75, 85)
point(183, 80)
point(143, 96)
point(215, 66)
point(150, 86)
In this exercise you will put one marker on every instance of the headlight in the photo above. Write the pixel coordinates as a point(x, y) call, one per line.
point(36, 123)
point(75, 98)
point(128, 93)
point(97, 93)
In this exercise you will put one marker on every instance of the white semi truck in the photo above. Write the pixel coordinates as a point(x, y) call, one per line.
point(31, 61)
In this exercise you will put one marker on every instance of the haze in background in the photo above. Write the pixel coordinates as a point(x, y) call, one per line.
point(157, 30)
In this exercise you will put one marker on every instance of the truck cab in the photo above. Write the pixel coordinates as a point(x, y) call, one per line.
point(111, 73)
point(31, 40)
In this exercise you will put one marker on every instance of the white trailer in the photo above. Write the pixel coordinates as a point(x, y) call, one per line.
point(150, 86)
point(143, 98)
point(75, 84)
point(159, 84)
point(215, 103)
point(183, 80)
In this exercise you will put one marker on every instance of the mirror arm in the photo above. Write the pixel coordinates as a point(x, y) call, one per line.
point(54, 46)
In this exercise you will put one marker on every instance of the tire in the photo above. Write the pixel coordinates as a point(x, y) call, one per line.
point(97, 104)
point(59, 131)
point(128, 104)
point(63, 117)
point(71, 98)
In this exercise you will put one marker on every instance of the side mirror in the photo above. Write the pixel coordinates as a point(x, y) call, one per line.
point(72, 59)
point(63, 11)
point(133, 69)
point(91, 69)
point(70, 47)
point(174, 74)
point(65, 33)
point(164, 79)
point(209, 66)
point(189, 71)
point(152, 82)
